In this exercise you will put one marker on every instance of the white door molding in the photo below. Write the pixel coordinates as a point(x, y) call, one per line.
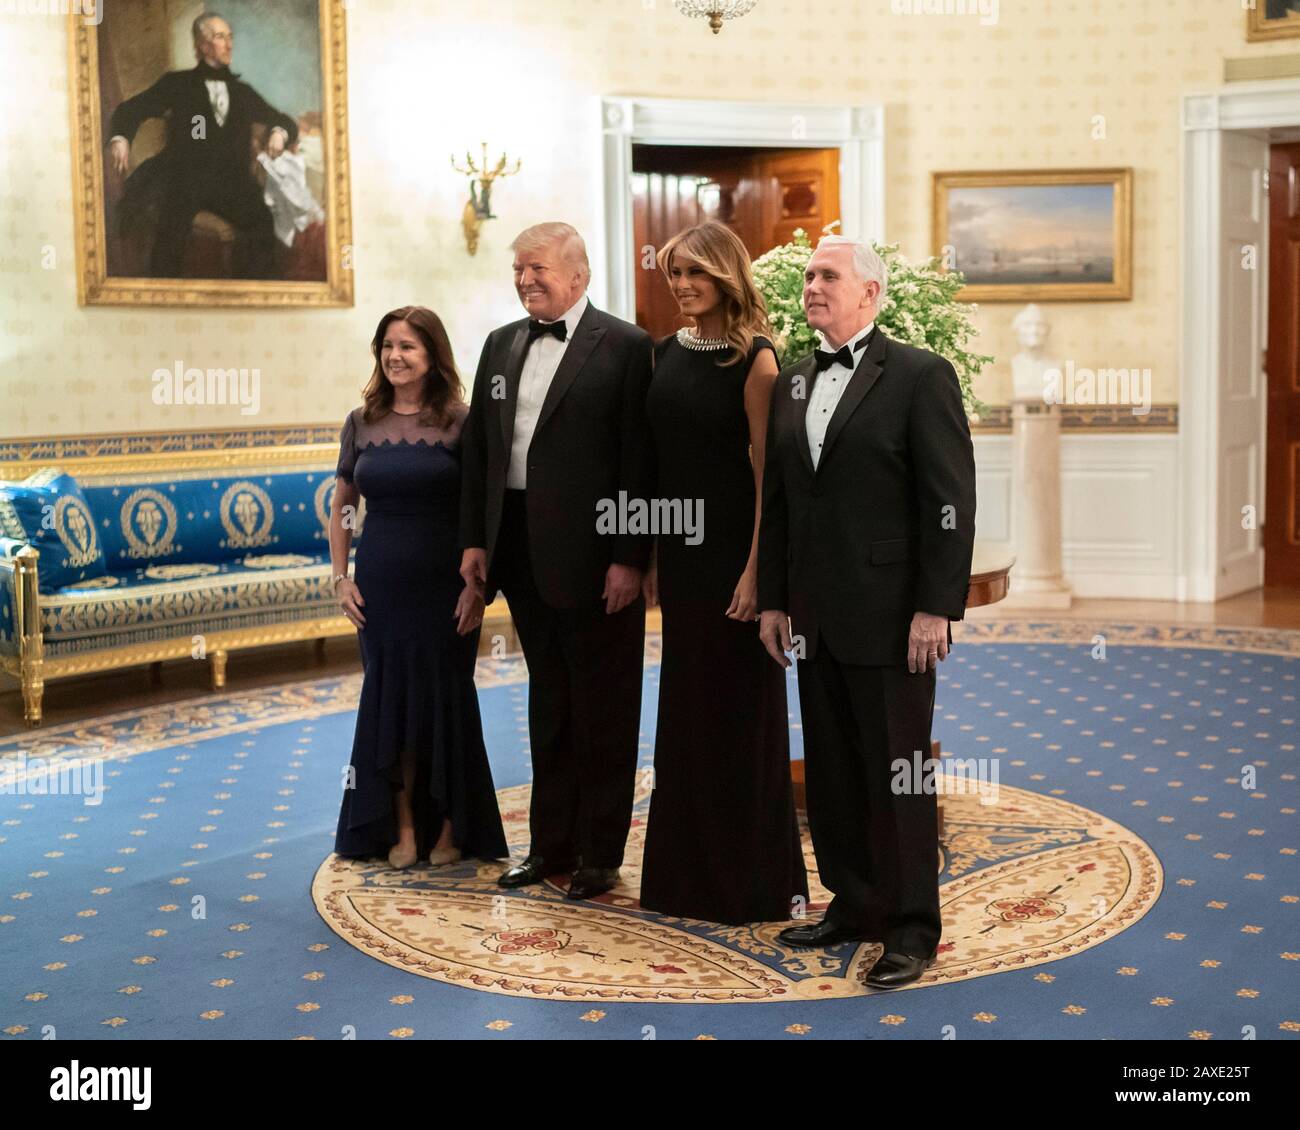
point(857, 131)
point(1215, 560)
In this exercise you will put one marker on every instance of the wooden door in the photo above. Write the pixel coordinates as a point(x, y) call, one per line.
point(1282, 515)
point(800, 188)
point(762, 195)
point(674, 188)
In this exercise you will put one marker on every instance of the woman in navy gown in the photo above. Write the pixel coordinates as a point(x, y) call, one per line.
point(722, 842)
point(419, 784)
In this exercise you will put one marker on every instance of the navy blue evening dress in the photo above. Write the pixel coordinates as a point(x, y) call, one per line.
point(418, 696)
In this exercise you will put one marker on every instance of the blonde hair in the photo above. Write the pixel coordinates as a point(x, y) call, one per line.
point(573, 249)
point(720, 252)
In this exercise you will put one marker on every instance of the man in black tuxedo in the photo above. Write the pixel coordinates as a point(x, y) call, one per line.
point(865, 549)
point(556, 424)
point(205, 164)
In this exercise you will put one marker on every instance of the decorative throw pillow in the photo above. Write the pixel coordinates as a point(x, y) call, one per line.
point(199, 517)
point(48, 511)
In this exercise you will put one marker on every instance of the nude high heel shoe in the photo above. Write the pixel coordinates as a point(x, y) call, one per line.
point(440, 856)
point(400, 858)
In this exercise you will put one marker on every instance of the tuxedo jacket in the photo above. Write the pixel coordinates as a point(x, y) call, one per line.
point(181, 96)
point(591, 442)
point(885, 525)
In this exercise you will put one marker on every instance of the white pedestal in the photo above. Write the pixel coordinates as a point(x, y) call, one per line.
point(1037, 580)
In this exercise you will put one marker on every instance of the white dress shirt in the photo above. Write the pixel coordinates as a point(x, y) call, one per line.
point(540, 362)
point(827, 390)
point(219, 96)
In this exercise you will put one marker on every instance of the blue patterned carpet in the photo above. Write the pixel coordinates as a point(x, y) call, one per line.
point(182, 906)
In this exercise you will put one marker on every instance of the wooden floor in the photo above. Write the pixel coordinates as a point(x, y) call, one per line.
point(1262, 608)
point(78, 699)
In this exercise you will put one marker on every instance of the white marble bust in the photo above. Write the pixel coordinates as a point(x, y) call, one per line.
point(1029, 365)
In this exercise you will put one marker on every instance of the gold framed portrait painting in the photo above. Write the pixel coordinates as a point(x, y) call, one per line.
point(1062, 235)
point(210, 155)
point(1272, 19)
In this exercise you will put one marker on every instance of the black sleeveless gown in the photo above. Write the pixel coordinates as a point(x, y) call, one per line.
point(418, 689)
point(722, 842)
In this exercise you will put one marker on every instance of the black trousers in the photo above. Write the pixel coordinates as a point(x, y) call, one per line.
point(584, 707)
point(877, 848)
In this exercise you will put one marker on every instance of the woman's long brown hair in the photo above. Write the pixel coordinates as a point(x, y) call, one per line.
point(441, 387)
point(722, 254)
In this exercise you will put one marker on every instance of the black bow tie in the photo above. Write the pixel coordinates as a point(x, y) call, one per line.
point(843, 355)
point(538, 329)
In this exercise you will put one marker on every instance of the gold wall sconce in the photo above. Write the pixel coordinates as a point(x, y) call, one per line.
point(479, 206)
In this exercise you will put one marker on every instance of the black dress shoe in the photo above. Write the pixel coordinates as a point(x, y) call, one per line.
point(821, 933)
point(896, 969)
point(588, 882)
point(532, 870)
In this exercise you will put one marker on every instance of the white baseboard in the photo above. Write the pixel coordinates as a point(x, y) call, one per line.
point(1119, 519)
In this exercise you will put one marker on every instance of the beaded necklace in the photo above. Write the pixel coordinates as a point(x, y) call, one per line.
point(686, 336)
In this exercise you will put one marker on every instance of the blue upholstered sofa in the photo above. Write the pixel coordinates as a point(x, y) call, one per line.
point(121, 550)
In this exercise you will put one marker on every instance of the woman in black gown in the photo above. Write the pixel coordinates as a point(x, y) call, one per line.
point(419, 785)
point(722, 842)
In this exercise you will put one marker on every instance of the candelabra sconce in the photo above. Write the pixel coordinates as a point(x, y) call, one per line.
point(479, 205)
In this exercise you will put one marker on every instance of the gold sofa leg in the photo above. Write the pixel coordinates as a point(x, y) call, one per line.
point(33, 691)
point(27, 628)
point(218, 658)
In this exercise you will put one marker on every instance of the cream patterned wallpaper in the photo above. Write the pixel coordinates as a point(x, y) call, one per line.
point(427, 77)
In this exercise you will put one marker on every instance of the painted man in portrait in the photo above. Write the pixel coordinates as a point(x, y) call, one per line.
point(206, 163)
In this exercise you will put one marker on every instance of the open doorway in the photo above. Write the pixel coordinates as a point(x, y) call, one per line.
point(855, 134)
point(1239, 396)
point(762, 194)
